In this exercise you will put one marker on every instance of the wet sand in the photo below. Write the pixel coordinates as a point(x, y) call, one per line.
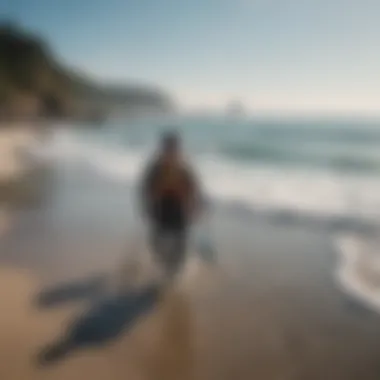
point(269, 309)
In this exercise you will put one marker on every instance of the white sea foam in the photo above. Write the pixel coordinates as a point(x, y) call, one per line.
point(359, 270)
point(12, 143)
point(317, 192)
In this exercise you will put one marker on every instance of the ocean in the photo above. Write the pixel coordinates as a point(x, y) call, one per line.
point(316, 169)
point(312, 174)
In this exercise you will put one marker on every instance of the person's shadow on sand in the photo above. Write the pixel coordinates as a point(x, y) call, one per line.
point(104, 320)
point(88, 289)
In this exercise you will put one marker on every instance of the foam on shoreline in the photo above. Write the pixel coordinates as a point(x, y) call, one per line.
point(359, 269)
point(13, 141)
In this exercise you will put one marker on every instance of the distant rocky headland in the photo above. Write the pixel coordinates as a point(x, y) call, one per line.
point(33, 84)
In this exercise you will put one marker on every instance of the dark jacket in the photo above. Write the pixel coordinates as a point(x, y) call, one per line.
point(168, 196)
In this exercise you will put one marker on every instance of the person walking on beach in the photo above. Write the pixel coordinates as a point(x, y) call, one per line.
point(170, 201)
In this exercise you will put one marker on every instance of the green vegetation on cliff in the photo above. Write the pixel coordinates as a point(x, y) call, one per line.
point(34, 83)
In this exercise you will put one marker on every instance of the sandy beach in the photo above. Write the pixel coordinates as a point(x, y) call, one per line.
point(270, 308)
point(261, 118)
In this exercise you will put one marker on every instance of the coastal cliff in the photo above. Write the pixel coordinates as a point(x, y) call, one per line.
point(33, 83)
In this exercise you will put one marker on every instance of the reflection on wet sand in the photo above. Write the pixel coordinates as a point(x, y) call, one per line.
point(173, 351)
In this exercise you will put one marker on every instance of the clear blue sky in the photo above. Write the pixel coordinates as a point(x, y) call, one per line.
point(284, 55)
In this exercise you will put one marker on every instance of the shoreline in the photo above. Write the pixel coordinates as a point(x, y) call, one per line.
point(112, 200)
point(272, 295)
point(358, 273)
point(270, 307)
